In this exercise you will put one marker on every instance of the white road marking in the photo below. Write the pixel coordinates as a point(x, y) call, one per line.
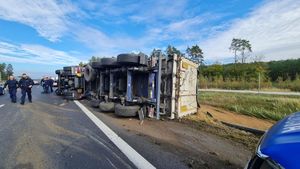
point(2, 105)
point(138, 160)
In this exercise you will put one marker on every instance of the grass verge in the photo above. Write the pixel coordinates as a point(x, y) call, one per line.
point(272, 107)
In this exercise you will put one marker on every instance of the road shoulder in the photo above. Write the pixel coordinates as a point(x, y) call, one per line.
point(179, 144)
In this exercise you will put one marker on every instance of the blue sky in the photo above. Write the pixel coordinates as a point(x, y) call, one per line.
point(39, 37)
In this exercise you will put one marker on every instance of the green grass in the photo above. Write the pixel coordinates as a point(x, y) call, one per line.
point(272, 107)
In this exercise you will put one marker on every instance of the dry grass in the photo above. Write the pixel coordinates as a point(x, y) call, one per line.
point(261, 106)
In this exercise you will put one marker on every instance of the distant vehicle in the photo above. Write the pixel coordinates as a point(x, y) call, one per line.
point(55, 83)
point(280, 146)
point(2, 91)
point(36, 82)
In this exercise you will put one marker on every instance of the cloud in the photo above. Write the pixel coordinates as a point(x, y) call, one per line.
point(273, 30)
point(48, 17)
point(184, 31)
point(104, 45)
point(35, 54)
point(134, 10)
point(163, 10)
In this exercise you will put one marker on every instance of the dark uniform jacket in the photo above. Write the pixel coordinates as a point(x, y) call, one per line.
point(47, 82)
point(25, 83)
point(12, 84)
point(51, 81)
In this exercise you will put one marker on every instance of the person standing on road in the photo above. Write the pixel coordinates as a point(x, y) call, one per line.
point(51, 81)
point(25, 84)
point(12, 84)
point(42, 83)
point(46, 85)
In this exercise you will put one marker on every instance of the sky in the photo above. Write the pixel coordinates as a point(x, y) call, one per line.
point(38, 37)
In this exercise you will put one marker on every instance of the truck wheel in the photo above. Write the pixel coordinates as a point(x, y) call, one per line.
point(89, 73)
point(132, 59)
point(126, 111)
point(67, 68)
point(58, 92)
point(94, 103)
point(58, 72)
point(107, 106)
point(109, 62)
point(96, 65)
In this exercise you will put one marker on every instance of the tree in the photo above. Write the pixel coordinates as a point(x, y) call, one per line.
point(94, 59)
point(240, 45)
point(81, 64)
point(9, 70)
point(2, 71)
point(195, 53)
point(172, 50)
point(258, 58)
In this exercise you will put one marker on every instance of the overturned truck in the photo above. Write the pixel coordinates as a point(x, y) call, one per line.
point(70, 82)
point(133, 84)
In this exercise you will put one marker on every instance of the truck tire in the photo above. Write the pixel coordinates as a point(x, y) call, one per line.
point(96, 65)
point(109, 61)
point(94, 103)
point(67, 68)
point(107, 106)
point(58, 72)
point(58, 92)
point(132, 59)
point(89, 73)
point(126, 111)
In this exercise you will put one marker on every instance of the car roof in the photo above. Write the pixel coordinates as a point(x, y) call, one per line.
point(282, 142)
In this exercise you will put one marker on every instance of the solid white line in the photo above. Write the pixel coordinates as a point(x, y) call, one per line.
point(138, 160)
point(2, 105)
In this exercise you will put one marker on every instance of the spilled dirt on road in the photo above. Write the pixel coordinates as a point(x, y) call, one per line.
point(196, 148)
point(231, 117)
point(210, 119)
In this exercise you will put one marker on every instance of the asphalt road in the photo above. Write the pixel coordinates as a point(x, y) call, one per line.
point(52, 133)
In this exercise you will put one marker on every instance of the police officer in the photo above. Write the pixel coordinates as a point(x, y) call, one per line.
point(25, 84)
point(51, 81)
point(46, 85)
point(42, 83)
point(12, 84)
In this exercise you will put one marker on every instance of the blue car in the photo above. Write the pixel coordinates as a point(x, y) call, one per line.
point(280, 146)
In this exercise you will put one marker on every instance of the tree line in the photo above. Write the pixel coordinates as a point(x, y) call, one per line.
point(242, 74)
point(6, 70)
point(284, 74)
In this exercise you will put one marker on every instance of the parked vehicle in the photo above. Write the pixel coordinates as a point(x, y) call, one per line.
point(280, 146)
point(36, 82)
point(2, 90)
point(55, 83)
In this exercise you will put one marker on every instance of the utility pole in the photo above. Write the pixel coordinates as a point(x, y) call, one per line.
point(259, 82)
point(158, 86)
